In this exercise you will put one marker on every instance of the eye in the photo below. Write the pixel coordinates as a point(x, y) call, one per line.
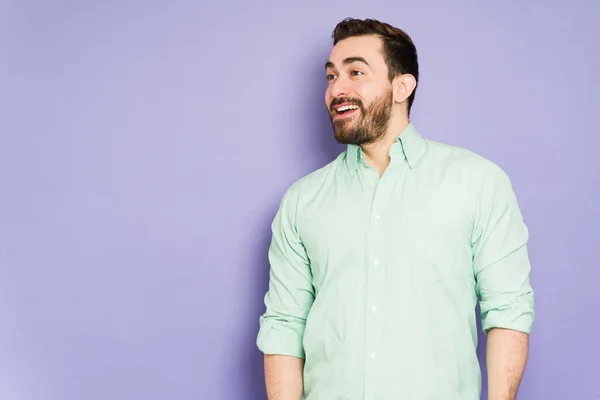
point(330, 77)
point(357, 73)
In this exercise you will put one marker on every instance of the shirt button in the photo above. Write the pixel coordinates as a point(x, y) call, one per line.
point(377, 217)
point(375, 262)
point(375, 308)
point(373, 355)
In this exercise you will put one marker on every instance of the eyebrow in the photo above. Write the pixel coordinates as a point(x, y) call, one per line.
point(347, 61)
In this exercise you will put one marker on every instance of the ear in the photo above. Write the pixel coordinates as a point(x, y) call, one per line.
point(403, 86)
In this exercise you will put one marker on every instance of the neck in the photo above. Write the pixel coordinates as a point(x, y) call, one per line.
point(377, 154)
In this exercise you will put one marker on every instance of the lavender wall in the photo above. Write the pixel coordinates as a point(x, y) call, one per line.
point(145, 145)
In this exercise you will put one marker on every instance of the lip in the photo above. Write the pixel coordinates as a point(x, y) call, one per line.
point(335, 108)
point(347, 114)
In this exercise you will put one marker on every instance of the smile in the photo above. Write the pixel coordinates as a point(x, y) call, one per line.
point(345, 110)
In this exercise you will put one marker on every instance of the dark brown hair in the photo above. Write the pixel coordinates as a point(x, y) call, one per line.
point(399, 51)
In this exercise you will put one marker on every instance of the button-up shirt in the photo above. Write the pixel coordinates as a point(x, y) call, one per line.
point(374, 281)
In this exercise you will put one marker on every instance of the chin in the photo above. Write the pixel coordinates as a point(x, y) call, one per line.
point(345, 138)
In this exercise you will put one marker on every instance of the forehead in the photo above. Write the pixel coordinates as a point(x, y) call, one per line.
point(368, 47)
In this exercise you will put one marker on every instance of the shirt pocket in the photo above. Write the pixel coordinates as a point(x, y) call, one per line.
point(439, 261)
point(435, 247)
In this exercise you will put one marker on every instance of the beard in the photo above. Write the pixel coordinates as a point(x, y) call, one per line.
point(368, 125)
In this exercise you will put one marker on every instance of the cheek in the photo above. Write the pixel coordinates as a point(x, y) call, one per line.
point(365, 91)
point(328, 96)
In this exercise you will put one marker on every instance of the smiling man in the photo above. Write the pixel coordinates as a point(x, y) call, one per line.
point(379, 258)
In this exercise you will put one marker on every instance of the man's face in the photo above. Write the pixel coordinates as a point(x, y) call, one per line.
point(359, 95)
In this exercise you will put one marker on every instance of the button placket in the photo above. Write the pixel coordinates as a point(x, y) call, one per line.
point(376, 267)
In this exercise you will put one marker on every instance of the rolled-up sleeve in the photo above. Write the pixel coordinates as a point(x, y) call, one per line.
point(290, 294)
point(500, 256)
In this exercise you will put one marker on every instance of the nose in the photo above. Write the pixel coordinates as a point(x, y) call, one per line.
point(340, 87)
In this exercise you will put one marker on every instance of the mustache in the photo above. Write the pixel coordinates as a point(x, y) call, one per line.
point(340, 100)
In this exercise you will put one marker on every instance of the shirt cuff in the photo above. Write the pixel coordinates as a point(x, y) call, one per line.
point(277, 338)
point(516, 315)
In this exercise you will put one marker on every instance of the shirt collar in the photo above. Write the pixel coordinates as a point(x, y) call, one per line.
point(409, 145)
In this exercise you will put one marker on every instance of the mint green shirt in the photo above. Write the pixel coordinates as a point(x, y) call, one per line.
point(374, 281)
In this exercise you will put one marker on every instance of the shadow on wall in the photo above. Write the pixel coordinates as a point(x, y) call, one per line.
point(321, 145)
point(481, 348)
point(317, 149)
point(251, 371)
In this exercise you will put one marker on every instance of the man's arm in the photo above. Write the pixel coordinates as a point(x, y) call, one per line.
point(501, 267)
point(288, 301)
point(283, 377)
point(506, 359)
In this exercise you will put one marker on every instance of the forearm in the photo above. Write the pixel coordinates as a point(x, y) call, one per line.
point(507, 352)
point(283, 377)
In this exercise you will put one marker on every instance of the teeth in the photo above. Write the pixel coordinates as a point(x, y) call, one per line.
point(345, 108)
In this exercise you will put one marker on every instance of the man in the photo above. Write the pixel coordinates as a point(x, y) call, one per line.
point(378, 259)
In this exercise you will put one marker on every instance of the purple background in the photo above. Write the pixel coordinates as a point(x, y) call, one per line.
point(145, 145)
